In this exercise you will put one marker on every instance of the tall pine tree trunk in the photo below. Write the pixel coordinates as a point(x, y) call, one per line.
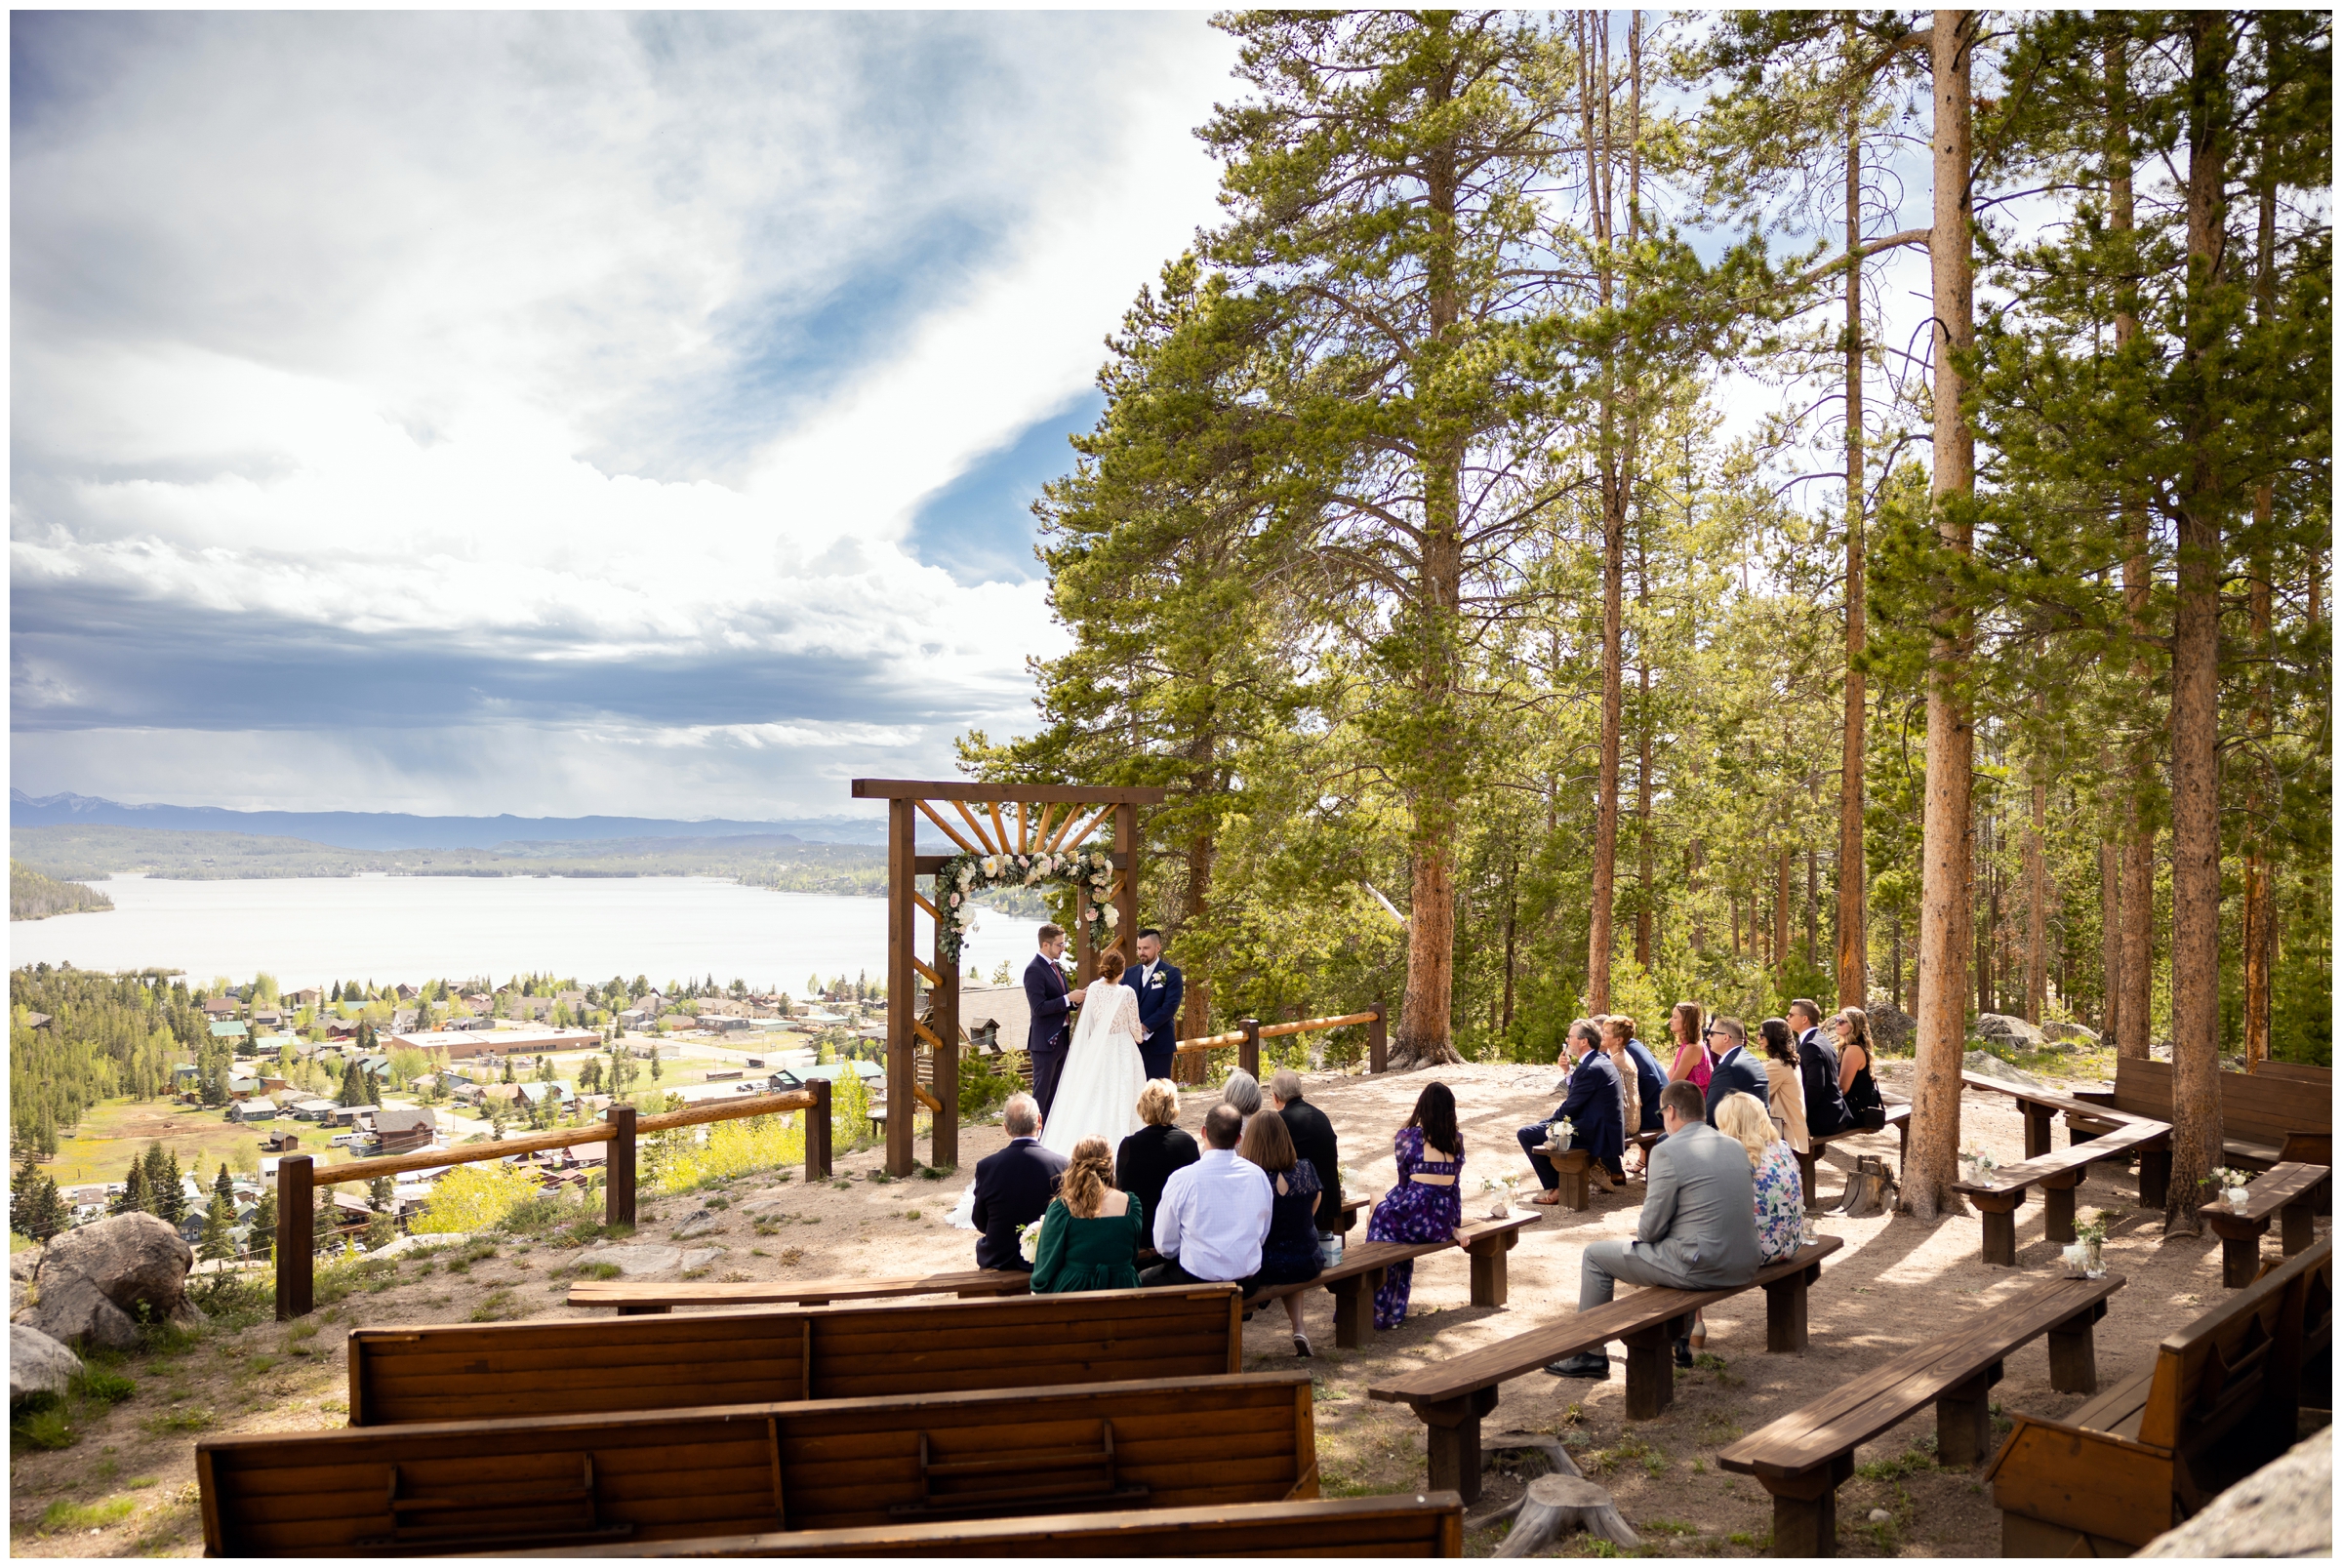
point(1946, 897)
point(1853, 875)
point(2036, 897)
point(2260, 909)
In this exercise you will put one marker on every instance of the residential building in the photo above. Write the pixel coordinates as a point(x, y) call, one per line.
point(254, 1109)
point(404, 1129)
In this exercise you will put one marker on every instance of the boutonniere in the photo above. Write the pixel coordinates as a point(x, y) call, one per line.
point(1156, 980)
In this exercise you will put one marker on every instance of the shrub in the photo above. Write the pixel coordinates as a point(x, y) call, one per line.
point(731, 1148)
point(41, 1424)
point(234, 1298)
point(102, 1386)
point(475, 1197)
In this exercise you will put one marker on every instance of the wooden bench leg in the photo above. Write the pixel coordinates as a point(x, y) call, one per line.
point(1806, 1510)
point(1999, 1212)
point(1650, 1371)
point(2298, 1229)
point(2038, 1120)
point(1571, 1181)
point(1489, 1284)
point(2154, 1177)
point(2239, 1247)
point(1806, 1163)
point(2057, 1204)
point(1354, 1308)
point(1451, 1433)
point(1785, 1312)
point(1964, 1420)
point(2074, 1353)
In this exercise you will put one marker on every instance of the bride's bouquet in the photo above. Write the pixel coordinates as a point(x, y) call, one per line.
point(1029, 1239)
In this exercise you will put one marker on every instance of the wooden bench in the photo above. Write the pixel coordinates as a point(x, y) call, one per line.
point(1898, 1121)
point(2295, 1072)
point(486, 1371)
point(2057, 1174)
point(1803, 1458)
point(2265, 1120)
point(2085, 1119)
point(1449, 1397)
point(2221, 1399)
point(2289, 1190)
point(745, 1468)
point(1423, 1524)
point(1364, 1264)
point(631, 1300)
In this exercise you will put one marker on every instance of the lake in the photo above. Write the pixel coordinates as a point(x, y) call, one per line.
point(314, 931)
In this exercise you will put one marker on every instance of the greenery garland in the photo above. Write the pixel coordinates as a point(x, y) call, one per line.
point(963, 878)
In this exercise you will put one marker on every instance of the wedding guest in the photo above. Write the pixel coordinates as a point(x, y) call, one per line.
point(1148, 1156)
point(1215, 1212)
point(1630, 1087)
point(1091, 1233)
point(1289, 1254)
point(1825, 1110)
point(1697, 1229)
point(1243, 1091)
point(1634, 1061)
point(1312, 1135)
point(1784, 1084)
point(1780, 1193)
point(1692, 1062)
point(1864, 1103)
point(1591, 1107)
point(1732, 1069)
point(1014, 1186)
point(1427, 1203)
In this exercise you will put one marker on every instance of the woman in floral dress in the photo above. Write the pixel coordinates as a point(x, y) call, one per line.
point(1427, 1203)
point(1773, 1172)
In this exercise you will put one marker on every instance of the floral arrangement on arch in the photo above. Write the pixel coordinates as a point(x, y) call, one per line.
point(964, 878)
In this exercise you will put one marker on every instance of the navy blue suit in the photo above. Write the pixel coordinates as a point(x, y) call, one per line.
point(1158, 1010)
point(1648, 1081)
point(1013, 1189)
point(1046, 1039)
point(1736, 1070)
point(1592, 1110)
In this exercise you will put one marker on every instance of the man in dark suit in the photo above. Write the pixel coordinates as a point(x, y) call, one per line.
point(1592, 1109)
point(1045, 994)
point(1158, 987)
point(1826, 1111)
point(1732, 1069)
point(1313, 1137)
point(1014, 1186)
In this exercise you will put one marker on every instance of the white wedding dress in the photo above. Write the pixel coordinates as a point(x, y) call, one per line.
point(1097, 1093)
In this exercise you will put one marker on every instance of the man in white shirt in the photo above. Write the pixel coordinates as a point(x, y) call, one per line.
point(1215, 1212)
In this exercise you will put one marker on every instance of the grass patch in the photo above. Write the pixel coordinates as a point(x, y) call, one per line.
point(101, 1385)
point(499, 1304)
point(63, 1514)
point(169, 1422)
point(42, 1424)
point(234, 1301)
point(1667, 1527)
point(1911, 1462)
point(1709, 1361)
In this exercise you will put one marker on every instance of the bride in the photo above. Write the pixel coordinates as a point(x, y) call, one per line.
point(1097, 1093)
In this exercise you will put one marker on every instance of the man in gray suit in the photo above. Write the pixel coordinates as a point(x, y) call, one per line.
point(1698, 1230)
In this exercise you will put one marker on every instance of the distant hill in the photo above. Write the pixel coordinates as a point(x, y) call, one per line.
point(34, 897)
point(397, 830)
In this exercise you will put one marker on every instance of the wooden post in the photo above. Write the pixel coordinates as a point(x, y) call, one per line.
point(1378, 1041)
point(1248, 1051)
point(817, 1133)
point(2074, 1354)
point(1490, 1282)
point(902, 986)
point(618, 1169)
point(296, 1239)
point(2057, 1204)
point(1963, 1420)
point(1126, 900)
point(943, 1142)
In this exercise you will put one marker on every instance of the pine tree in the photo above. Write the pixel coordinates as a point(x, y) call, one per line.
point(170, 1192)
point(224, 1187)
point(263, 1236)
point(218, 1216)
point(135, 1196)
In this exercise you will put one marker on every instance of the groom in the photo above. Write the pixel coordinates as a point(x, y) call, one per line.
point(1045, 994)
point(1158, 987)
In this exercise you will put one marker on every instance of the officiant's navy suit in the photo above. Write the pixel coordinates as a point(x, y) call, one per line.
point(1159, 1011)
point(1045, 991)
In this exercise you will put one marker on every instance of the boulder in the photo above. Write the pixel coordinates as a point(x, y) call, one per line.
point(1892, 1031)
point(2013, 1033)
point(637, 1258)
point(96, 1284)
point(2066, 1032)
point(696, 1223)
point(37, 1363)
point(1992, 1066)
point(2283, 1510)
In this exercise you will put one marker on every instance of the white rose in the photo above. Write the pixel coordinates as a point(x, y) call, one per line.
point(1112, 915)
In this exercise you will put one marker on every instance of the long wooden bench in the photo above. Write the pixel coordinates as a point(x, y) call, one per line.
point(485, 1371)
point(1353, 1281)
point(2057, 1174)
point(632, 1297)
point(744, 1469)
point(1803, 1458)
point(1450, 1397)
point(1421, 1524)
point(2221, 1399)
point(2292, 1190)
point(2085, 1119)
point(2295, 1072)
point(2264, 1120)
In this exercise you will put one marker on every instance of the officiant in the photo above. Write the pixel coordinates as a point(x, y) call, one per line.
point(1158, 985)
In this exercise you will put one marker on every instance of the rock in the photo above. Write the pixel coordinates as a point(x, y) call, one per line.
point(1999, 1028)
point(94, 1282)
point(698, 1223)
point(2283, 1510)
point(1992, 1066)
point(22, 1265)
point(765, 1200)
point(2066, 1032)
point(2160, 1051)
point(1879, 1516)
point(699, 1258)
point(640, 1258)
point(37, 1363)
point(1892, 1029)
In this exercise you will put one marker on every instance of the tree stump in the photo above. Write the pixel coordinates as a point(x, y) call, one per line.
point(1869, 1189)
point(1557, 1504)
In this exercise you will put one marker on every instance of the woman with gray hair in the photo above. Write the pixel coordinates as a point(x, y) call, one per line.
point(1243, 1091)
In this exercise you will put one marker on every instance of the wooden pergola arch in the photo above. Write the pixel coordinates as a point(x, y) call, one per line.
point(1006, 819)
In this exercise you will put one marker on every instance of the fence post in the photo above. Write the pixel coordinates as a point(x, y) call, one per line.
point(296, 1239)
point(1378, 1042)
point(618, 1167)
point(816, 1132)
point(1248, 1052)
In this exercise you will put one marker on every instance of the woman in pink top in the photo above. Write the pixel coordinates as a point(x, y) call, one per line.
point(1691, 1051)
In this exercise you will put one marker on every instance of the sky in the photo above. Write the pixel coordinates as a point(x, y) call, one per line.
point(559, 413)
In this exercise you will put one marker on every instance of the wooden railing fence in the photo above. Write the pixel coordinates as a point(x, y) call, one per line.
point(298, 1176)
point(1250, 1033)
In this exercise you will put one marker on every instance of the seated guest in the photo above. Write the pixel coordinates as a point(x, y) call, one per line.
point(1289, 1253)
point(1826, 1111)
point(1243, 1091)
point(1426, 1204)
point(1215, 1212)
point(1697, 1229)
point(1780, 1193)
point(1637, 1067)
point(1148, 1156)
point(1091, 1234)
point(1591, 1107)
point(1732, 1069)
point(1014, 1186)
point(1691, 1051)
point(1864, 1103)
point(1785, 1085)
point(1313, 1136)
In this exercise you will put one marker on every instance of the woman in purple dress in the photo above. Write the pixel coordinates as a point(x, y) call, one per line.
point(1428, 1202)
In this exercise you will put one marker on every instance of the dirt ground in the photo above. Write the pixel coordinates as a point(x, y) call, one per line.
point(126, 1487)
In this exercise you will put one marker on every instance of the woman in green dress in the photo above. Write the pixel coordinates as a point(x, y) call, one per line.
point(1092, 1234)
